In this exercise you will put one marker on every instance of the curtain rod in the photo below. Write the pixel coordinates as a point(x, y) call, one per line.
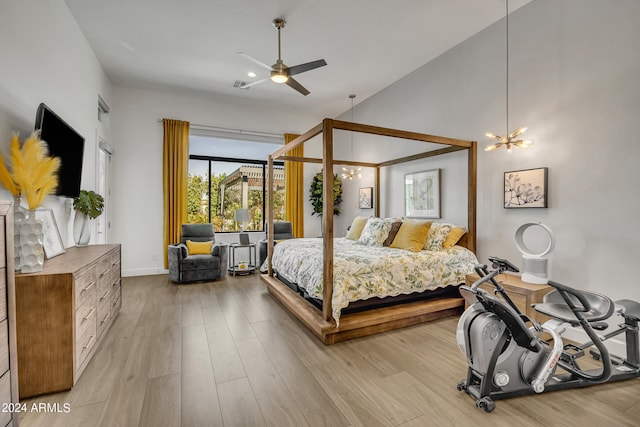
point(196, 126)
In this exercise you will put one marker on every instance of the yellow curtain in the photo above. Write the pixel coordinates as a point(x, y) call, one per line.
point(294, 193)
point(174, 179)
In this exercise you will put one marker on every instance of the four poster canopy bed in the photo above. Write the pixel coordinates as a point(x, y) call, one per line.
point(341, 288)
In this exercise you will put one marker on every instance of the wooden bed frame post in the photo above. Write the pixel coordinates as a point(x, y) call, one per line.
point(270, 213)
point(376, 180)
point(472, 155)
point(327, 217)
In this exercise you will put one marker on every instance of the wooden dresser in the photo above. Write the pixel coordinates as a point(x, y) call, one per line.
point(63, 312)
point(8, 356)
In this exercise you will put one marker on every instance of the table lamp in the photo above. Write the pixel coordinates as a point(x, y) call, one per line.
point(241, 217)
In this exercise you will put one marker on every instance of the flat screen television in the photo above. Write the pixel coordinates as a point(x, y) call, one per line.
point(67, 144)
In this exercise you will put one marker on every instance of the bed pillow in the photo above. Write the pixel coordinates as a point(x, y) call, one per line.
point(356, 227)
point(375, 231)
point(395, 226)
point(452, 238)
point(411, 235)
point(437, 234)
point(199, 248)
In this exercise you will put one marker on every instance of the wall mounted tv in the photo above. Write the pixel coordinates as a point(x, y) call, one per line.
point(67, 144)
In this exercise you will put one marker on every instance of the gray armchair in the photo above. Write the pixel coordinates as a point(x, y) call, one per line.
point(185, 267)
point(281, 230)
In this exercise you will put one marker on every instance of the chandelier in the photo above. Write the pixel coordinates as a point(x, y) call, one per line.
point(510, 140)
point(351, 173)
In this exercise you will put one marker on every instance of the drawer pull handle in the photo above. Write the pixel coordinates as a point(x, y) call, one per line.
point(104, 296)
point(105, 318)
point(88, 315)
point(88, 343)
point(89, 286)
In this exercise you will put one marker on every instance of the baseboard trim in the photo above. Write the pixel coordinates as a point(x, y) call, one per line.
point(143, 272)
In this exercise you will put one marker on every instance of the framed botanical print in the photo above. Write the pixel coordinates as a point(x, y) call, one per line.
point(365, 198)
point(422, 194)
point(526, 188)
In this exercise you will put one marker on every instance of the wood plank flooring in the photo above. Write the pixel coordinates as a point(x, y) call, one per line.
point(225, 353)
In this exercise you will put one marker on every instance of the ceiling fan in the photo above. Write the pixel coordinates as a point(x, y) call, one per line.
point(280, 73)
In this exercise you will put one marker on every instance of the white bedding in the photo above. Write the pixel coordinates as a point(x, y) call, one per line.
point(362, 272)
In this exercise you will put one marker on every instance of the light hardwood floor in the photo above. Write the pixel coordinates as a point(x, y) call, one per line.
point(226, 353)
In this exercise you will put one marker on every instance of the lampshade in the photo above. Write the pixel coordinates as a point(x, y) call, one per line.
point(241, 215)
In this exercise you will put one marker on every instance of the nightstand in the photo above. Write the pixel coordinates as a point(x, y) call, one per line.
point(242, 267)
point(521, 293)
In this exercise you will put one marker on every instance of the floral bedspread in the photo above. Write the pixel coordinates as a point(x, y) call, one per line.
point(361, 272)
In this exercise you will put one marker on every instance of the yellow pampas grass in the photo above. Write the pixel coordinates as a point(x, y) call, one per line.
point(6, 177)
point(34, 173)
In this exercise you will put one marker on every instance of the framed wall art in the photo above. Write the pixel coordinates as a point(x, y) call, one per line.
point(365, 199)
point(422, 194)
point(526, 188)
point(52, 241)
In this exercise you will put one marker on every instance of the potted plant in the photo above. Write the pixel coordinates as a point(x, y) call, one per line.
point(88, 205)
point(315, 195)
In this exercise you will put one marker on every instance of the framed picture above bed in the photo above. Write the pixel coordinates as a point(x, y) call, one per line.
point(365, 199)
point(422, 194)
point(525, 188)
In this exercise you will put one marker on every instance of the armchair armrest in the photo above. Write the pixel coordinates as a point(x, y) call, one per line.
point(221, 250)
point(175, 255)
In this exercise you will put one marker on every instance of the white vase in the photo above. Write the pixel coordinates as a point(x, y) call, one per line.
point(31, 248)
point(20, 215)
point(81, 229)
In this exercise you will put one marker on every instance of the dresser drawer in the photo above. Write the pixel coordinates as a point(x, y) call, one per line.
point(86, 339)
point(116, 297)
point(4, 347)
point(3, 292)
point(104, 311)
point(85, 287)
point(86, 320)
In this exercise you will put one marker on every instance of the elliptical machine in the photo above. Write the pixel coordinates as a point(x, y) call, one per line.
point(507, 358)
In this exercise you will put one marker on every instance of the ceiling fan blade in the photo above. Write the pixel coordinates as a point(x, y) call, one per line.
point(254, 60)
point(301, 68)
point(248, 85)
point(297, 86)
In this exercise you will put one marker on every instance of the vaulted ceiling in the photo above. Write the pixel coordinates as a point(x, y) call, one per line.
point(193, 45)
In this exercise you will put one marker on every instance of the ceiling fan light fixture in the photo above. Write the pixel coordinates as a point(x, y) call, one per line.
point(279, 78)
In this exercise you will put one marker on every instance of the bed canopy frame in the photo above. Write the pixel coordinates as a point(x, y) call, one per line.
point(380, 319)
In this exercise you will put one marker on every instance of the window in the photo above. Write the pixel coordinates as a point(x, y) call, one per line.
point(218, 186)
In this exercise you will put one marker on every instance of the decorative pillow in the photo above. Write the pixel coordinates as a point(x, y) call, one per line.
point(199, 248)
point(375, 231)
point(411, 235)
point(437, 234)
point(356, 227)
point(392, 233)
point(452, 238)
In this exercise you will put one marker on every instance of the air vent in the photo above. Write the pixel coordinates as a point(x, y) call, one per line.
point(238, 84)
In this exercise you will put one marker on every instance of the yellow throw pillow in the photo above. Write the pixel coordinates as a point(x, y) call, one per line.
point(199, 248)
point(452, 238)
point(411, 235)
point(356, 227)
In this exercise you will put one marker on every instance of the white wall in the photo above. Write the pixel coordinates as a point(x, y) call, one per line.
point(137, 214)
point(574, 67)
point(46, 58)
